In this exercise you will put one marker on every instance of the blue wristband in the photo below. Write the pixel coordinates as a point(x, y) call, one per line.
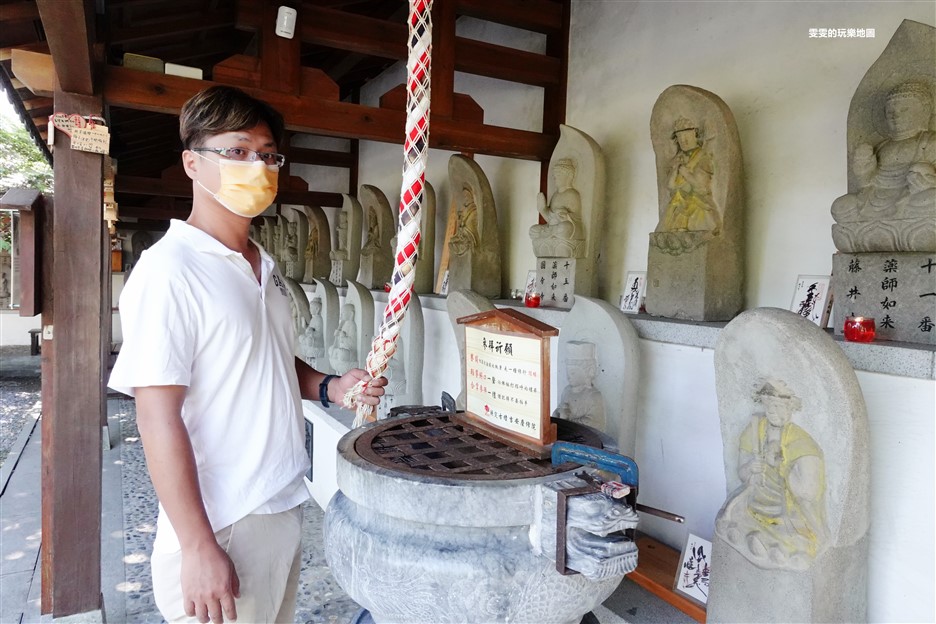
point(323, 390)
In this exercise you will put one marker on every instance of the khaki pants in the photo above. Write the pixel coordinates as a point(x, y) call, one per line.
point(266, 551)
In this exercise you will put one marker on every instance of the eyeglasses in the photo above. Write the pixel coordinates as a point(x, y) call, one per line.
point(243, 154)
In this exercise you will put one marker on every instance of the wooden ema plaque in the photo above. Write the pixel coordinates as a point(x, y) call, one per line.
point(507, 379)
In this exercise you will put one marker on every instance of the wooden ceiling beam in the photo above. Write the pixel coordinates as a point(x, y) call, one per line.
point(209, 20)
point(69, 28)
point(385, 39)
point(544, 16)
point(37, 102)
point(497, 61)
point(159, 93)
point(443, 59)
point(320, 157)
point(35, 70)
point(18, 12)
point(336, 29)
point(279, 57)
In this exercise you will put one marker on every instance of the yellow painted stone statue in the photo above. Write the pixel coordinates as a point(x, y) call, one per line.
point(776, 519)
point(691, 207)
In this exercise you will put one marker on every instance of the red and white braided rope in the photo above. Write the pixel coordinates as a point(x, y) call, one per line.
point(412, 194)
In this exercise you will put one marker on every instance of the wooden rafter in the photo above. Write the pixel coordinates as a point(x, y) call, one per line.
point(69, 29)
point(160, 93)
point(18, 12)
point(386, 39)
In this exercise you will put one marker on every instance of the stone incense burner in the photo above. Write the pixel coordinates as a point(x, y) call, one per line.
point(436, 522)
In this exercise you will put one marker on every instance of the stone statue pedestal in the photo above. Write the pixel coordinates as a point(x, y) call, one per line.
point(897, 290)
point(695, 266)
point(475, 273)
point(555, 280)
point(689, 277)
point(369, 276)
point(791, 540)
point(766, 595)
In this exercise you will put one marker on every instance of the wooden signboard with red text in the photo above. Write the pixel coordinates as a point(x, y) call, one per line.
point(507, 378)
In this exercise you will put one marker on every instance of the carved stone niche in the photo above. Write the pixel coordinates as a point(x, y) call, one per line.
point(695, 265)
point(795, 522)
point(378, 227)
point(346, 253)
point(295, 226)
point(474, 248)
point(355, 331)
point(885, 226)
point(573, 208)
point(599, 357)
point(317, 245)
point(404, 381)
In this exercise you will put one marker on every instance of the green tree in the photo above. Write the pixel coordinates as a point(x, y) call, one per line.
point(22, 165)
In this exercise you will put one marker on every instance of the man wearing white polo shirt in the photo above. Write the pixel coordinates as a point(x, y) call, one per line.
point(208, 354)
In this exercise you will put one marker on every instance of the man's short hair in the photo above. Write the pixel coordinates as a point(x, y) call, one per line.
point(221, 109)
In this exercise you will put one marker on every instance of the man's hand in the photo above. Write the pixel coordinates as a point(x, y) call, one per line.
point(371, 395)
point(209, 584)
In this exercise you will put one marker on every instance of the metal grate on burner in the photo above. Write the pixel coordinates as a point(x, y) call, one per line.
point(438, 445)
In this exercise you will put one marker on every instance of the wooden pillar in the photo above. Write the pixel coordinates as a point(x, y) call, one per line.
point(71, 442)
point(279, 57)
point(554, 97)
point(443, 58)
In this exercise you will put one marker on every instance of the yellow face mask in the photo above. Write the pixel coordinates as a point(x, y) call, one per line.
point(247, 188)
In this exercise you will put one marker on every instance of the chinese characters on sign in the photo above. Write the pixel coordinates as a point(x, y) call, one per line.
point(812, 299)
point(555, 280)
point(505, 378)
point(692, 578)
point(897, 290)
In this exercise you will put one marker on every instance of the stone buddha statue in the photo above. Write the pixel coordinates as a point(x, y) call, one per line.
point(896, 181)
point(776, 519)
point(341, 252)
point(372, 243)
point(344, 351)
point(563, 234)
point(466, 236)
point(312, 341)
point(581, 401)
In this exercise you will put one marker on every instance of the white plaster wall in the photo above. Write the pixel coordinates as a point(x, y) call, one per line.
point(14, 329)
point(790, 97)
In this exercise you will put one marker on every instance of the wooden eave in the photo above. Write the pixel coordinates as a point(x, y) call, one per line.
point(511, 320)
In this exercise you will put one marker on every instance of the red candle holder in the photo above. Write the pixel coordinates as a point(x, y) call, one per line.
point(859, 329)
point(532, 299)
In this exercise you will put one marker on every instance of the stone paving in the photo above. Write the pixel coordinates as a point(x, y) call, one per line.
point(128, 592)
point(127, 540)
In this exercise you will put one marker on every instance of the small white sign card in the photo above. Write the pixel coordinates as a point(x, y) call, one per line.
point(443, 290)
point(635, 287)
point(812, 298)
point(692, 576)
